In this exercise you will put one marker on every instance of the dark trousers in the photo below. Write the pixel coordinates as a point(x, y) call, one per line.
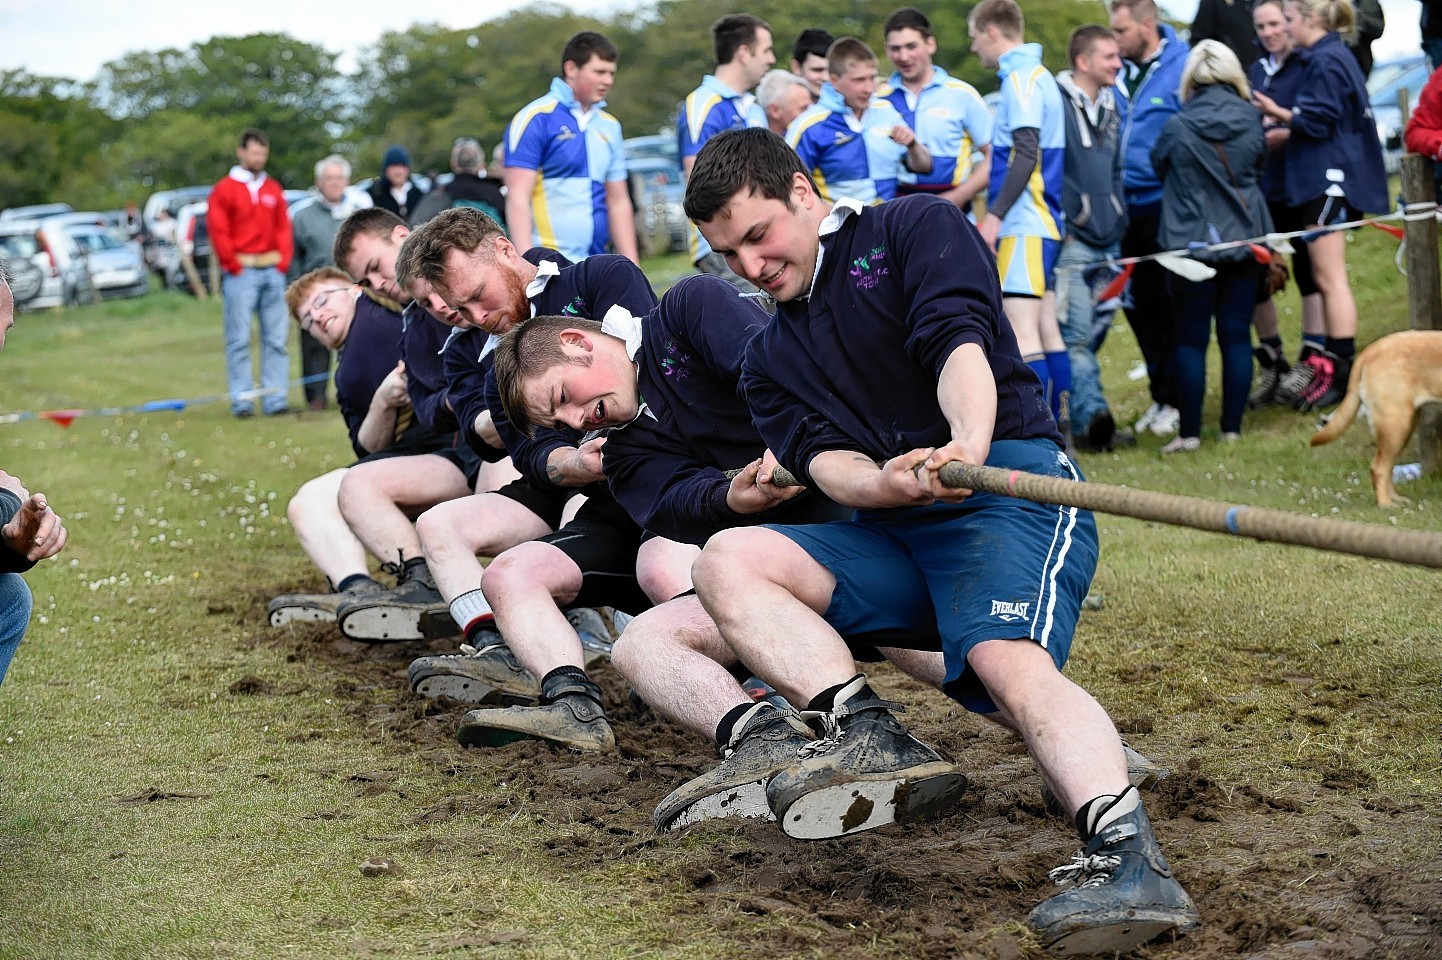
point(1150, 315)
point(314, 361)
point(1229, 296)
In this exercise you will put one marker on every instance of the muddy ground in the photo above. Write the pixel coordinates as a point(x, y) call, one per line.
point(1317, 874)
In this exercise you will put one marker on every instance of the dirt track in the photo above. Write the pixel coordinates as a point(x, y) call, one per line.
point(1315, 875)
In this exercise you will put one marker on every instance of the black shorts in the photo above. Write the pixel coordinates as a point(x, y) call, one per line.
point(1287, 219)
point(465, 460)
point(547, 502)
point(602, 540)
point(1327, 211)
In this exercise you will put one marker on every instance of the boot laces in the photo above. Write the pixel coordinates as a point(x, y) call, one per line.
point(832, 732)
point(1085, 871)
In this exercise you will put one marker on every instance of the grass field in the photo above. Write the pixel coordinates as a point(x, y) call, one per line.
point(178, 780)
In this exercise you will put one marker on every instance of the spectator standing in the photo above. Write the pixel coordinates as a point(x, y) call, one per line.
point(250, 233)
point(395, 189)
point(1096, 217)
point(724, 101)
point(783, 96)
point(1334, 173)
point(1370, 22)
point(1148, 84)
point(1423, 133)
point(565, 162)
point(312, 232)
point(1229, 21)
point(1277, 74)
point(808, 58)
point(471, 186)
point(948, 115)
point(1209, 157)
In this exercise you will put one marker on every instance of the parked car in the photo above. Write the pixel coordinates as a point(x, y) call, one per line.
point(116, 265)
point(26, 279)
point(38, 212)
point(66, 281)
point(193, 239)
point(1383, 86)
point(657, 188)
point(159, 219)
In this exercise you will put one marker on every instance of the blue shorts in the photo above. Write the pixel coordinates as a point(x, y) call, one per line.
point(950, 576)
point(1027, 265)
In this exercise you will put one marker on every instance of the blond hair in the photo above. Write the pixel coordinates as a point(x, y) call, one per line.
point(1338, 15)
point(1211, 62)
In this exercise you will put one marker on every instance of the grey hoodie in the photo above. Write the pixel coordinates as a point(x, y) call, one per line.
point(1093, 196)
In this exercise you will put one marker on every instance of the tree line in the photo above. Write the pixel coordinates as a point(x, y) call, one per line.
point(167, 118)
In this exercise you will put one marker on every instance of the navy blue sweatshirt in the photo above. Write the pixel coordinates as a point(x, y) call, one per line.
point(855, 366)
point(1334, 138)
point(666, 466)
point(467, 361)
point(1281, 85)
point(425, 374)
point(371, 350)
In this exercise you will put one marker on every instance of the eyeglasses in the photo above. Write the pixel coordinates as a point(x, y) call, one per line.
point(308, 319)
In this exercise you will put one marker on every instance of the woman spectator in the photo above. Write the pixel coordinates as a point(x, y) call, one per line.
point(1209, 158)
point(1277, 74)
point(1333, 174)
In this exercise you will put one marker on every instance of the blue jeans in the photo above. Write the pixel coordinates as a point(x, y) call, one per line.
point(256, 290)
point(1229, 296)
point(15, 603)
point(1076, 315)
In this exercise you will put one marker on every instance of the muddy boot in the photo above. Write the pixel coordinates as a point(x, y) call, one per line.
point(398, 614)
point(1122, 891)
point(866, 771)
point(569, 715)
point(764, 740)
point(317, 607)
point(591, 628)
point(485, 671)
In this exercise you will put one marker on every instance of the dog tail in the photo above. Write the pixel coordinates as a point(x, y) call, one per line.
point(1346, 412)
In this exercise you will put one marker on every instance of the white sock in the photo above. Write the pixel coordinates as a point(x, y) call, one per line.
point(469, 607)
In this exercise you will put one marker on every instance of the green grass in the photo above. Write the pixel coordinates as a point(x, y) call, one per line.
point(1232, 649)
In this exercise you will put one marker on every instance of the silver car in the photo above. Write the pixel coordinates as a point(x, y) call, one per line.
point(65, 280)
point(117, 266)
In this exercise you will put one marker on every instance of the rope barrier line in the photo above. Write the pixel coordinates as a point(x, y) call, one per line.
point(1417, 547)
point(66, 417)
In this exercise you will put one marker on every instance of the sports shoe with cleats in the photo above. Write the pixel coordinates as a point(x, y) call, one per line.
point(1271, 365)
point(1329, 386)
point(569, 715)
point(400, 614)
point(484, 673)
point(316, 607)
point(764, 740)
point(866, 771)
point(1295, 382)
point(1121, 890)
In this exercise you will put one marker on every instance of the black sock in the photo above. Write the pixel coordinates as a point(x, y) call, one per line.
point(1344, 347)
point(726, 727)
point(476, 626)
point(1274, 342)
point(825, 701)
point(566, 680)
point(354, 580)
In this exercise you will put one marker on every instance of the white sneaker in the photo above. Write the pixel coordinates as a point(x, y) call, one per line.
point(1183, 445)
point(1145, 421)
point(1167, 421)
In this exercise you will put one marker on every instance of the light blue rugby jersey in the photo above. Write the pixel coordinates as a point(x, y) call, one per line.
point(708, 110)
point(1030, 98)
point(847, 156)
point(574, 159)
point(950, 119)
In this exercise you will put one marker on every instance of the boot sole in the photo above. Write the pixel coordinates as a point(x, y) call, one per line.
point(475, 735)
point(280, 616)
point(1119, 935)
point(460, 689)
point(847, 808)
point(382, 624)
point(745, 800)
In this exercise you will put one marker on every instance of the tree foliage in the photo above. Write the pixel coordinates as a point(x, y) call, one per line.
point(171, 117)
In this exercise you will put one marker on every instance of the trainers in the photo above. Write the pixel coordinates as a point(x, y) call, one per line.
point(315, 607)
point(1329, 386)
point(1183, 445)
point(1167, 421)
point(591, 628)
point(865, 772)
point(1145, 421)
point(1122, 892)
point(488, 674)
point(1292, 384)
point(408, 612)
point(1271, 366)
point(766, 739)
point(569, 715)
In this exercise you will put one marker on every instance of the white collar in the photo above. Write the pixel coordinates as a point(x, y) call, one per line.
point(625, 325)
point(545, 270)
point(842, 209)
point(492, 342)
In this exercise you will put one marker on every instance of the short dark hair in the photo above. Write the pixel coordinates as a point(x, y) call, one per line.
point(372, 221)
point(734, 160)
point(1005, 15)
point(249, 134)
point(1088, 35)
point(423, 256)
point(530, 349)
point(846, 51)
point(809, 41)
point(908, 18)
point(734, 31)
point(585, 45)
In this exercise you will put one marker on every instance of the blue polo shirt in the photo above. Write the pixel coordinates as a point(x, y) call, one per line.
point(708, 110)
point(950, 119)
point(575, 154)
point(1030, 98)
point(849, 156)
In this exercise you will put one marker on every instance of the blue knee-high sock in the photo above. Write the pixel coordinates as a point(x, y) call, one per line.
point(1039, 367)
point(1059, 366)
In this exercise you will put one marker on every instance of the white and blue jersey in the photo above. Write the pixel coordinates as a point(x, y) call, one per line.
point(575, 153)
point(846, 155)
point(950, 119)
point(708, 110)
point(1030, 98)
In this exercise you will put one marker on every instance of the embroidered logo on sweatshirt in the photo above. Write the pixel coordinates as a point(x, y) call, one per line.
point(676, 361)
point(576, 308)
point(869, 269)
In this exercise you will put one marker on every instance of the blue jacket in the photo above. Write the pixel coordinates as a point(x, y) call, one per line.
point(421, 344)
point(1145, 110)
point(370, 352)
point(1334, 136)
point(855, 366)
point(666, 467)
point(1281, 84)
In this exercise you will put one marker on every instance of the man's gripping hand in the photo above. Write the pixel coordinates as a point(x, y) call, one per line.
point(35, 531)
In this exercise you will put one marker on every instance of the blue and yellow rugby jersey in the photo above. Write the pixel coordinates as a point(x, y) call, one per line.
point(847, 156)
point(575, 155)
point(707, 110)
point(950, 119)
point(1030, 98)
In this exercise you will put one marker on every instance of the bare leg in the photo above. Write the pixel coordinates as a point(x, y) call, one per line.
point(1314, 318)
point(315, 515)
point(494, 476)
point(454, 533)
point(1024, 313)
point(663, 568)
point(526, 587)
point(379, 498)
point(1047, 327)
point(1264, 318)
point(928, 666)
point(1329, 268)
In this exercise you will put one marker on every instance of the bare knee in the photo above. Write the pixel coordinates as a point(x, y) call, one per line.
point(729, 557)
point(314, 496)
point(529, 569)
